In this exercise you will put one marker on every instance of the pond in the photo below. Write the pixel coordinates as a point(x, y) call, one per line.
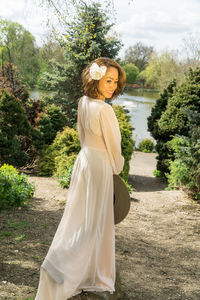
point(138, 102)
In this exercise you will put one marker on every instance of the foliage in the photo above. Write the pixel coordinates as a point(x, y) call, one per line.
point(85, 39)
point(65, 144)
point(138, 55)
point(131, 73)
point(15, 189)
point(127, 142)
point(146, 145)
point(18, 47)
point(162, 69)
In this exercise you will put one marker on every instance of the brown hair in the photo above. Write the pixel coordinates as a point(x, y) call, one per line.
point(90, 86)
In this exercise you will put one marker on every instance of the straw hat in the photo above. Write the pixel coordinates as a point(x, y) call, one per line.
point(121, 199)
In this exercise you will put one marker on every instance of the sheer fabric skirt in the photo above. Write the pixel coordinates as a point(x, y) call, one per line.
point(82, 253)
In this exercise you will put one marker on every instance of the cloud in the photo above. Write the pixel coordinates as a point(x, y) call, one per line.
point(159, 24)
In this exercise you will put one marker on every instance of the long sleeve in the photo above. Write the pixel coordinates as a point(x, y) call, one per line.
point(112, 137)
point(79, 126)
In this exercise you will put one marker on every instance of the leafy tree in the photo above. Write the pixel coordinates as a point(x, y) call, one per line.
point(162, 69)
point(191, 51)
point(11, 81)
point(18, 47)
point(131, 73)
point(50, 51)
point(138, 55)
point(86, 40)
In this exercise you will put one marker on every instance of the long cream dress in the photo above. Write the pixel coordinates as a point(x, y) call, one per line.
point(82, 253)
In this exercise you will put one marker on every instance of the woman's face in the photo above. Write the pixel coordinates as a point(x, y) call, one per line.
point(108, 83)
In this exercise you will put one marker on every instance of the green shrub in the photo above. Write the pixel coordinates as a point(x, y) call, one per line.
point(158, 174)
point(131, 73)
point(15, 189)
point(127, 143)
point(185, 169)
point(146, 145)
point(65, 144)
point(64, 166)
point(179, 174)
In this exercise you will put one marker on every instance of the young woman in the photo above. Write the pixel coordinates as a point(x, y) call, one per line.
point(82, 254)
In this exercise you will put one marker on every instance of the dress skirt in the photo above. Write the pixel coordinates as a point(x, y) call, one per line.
point(82, 253)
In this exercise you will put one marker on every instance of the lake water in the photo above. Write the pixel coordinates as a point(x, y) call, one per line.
point(139, 104)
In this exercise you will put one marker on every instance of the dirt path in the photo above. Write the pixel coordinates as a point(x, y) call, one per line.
point(157, 245)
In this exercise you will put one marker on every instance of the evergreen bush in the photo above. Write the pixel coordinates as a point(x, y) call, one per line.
point(51, 121)
point(14, 127)
point(15, 189)
point(177, 132)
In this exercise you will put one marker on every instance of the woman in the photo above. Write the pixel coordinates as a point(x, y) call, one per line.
point(82, 254)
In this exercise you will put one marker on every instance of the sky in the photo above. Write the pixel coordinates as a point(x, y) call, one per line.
point(162, 24)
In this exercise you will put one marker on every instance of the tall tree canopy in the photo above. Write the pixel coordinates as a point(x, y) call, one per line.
point(17, 46)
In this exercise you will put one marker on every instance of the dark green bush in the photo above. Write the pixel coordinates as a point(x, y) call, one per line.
point(15, 189)
point(146, 145)
point(51, 121)
point(177, 132)
point(185, 169)
point(170, 119)
point(14, 127)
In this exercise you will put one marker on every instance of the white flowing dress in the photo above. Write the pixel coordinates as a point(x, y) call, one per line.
point(82, 253)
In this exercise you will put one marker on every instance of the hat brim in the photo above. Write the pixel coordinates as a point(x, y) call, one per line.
point(121, 199)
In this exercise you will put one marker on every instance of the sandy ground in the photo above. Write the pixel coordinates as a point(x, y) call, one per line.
point(157, 245)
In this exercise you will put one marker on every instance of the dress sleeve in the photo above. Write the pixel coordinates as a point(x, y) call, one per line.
point(112, 137)
point(81, 133)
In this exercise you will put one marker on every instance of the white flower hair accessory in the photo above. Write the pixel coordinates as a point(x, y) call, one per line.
point(97, 72)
